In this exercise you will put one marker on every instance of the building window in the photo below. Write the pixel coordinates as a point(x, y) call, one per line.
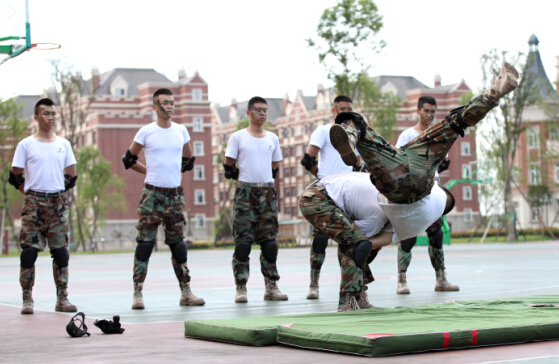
point(286, 172)
point(466, 171)
point(293, 211)
point(534, 175)
point(199, 173)
point(221, 196)
point(287, 210)
point(467, 193)
point(198, 148)
point(196, 94)
point(94, 136)
point(293, 191)
point(286, 152)
point(292, 132)
point(532, 134)
point(306, 129)
point(199, 197)
point(286, 191)
point(200, 221)
point(465, 148)
point(311, 127)
point(292, 171)
point(291, 151)
point(198, 124)
point(467, 215)
point(285, 133)
point(299, 150)
point(299, 170)
point(557, 172)
point(119, 92)
point(554, 133)
point(221, 177)
point(535, 213)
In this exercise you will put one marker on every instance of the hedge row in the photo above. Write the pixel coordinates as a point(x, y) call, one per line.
point(493, 232)
point(282, 241)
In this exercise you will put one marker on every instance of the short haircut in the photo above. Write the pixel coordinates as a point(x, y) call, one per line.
point(342, 98)
point(426, 100)
point(161, 91)
point(256, 100)
point(450, 201)
point(45, 101)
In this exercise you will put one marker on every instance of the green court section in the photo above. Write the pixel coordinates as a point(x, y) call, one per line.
point(389, 331)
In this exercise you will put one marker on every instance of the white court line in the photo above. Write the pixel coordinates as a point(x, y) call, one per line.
point(511, 360)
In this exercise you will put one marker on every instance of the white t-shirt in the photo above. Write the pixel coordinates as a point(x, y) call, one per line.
point(329, 159)
point(410, 220)
point(163, 150)
point(44, 163)
point(354, 193)
point(407, 136)
point(254, 155)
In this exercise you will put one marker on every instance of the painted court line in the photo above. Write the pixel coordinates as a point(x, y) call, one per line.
point(518, 360)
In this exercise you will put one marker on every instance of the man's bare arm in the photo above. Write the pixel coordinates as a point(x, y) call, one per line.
point(313, 151)
point(135, 149)
point(18, 171)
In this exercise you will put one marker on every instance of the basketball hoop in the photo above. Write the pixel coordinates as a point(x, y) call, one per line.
point(44, 46)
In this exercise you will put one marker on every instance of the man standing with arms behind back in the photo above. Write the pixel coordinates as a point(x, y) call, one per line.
point(426, 109)
point(50, 169)
point(168, 154)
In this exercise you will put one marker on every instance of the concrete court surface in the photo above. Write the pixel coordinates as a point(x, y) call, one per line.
point(101, 286)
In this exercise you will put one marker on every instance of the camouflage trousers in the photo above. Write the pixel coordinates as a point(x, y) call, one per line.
point(330, 220)
point(436, 253)
point(255, 213)
point(60, 274)
point(241, 270)
point(44, 219)
point(161, 208)
point(406, 174)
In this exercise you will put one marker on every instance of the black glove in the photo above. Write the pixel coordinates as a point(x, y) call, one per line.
point(231, 172)
point(16, 180)
point(110, 327)
point(444, 166)
point(187, 164)
point(69, 182)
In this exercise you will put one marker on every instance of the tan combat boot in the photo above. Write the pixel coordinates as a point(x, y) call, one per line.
point(188, 298)
point(62, 303)
point(313, 288)
point(402, 284)
point(363, 301)
point(241, 293)
point(272, 292)
point(348, 303)
point(27, 307)
point(442, 284)
point(505, 83)
point(345, 143)
point(138, 299)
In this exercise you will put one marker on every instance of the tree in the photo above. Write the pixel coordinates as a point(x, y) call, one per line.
point(98, 189)
point(12, 130)
point(506, 124)
point(347, 33)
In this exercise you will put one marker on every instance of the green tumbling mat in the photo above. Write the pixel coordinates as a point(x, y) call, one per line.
point(388, 331)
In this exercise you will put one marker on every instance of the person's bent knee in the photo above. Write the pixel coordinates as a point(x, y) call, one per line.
point(28, 257)
point(61, 256)
point(436, 238)
point(242, 251)
point(408, 244)
point(319, 243)
point(179, 252)
point(143, 250)
point(270, 251)
point(362, 252)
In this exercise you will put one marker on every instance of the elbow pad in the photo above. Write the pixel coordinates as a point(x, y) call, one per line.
point(308, 162)
point(231, 172)
point(444, 166)
point(16, 180)
point(128, 159)
point(275, 172)
point(187, 164)
point(69, 182)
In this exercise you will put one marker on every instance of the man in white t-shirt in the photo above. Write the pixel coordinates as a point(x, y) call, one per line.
point(426, 109)
point(329, 162)
point(50, 170)
point(168, 154)
point(255, 206)
point(335, 206)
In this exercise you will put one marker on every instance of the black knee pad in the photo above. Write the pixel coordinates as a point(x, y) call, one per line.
point(178, 251)
point(436, 238)
point(372, 256)
point(407, 244)
point(60, 256)
point(28, 257)
point(362, 252)
point(242, 250)
point(270, 251)
point(319, 243)
point(143, 250)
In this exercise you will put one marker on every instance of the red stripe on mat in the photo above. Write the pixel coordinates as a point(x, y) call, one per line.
point(446, 340)
point(474, 337)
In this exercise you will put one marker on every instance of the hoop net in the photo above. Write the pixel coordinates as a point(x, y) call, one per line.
point(44, 46)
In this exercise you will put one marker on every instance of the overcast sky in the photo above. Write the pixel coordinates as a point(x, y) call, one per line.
point(244, 48)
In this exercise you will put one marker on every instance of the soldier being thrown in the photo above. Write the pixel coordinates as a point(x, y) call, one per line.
point(258, 154)
point(404, 176)
point(168, 153)
point(49, 165)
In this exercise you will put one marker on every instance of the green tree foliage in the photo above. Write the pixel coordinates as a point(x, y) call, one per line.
point(347, 42)
point(12, 130)
point(98, 189)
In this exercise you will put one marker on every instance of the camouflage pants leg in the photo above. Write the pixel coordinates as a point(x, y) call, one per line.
point(269, 270)
point(60, 275)
point(241, 271)
point(27, 277)
point(317, 259)
point(404, 260)
point(435, 235)
point(44, 220)
point(140, 270)
point(352, 276)
point(255, 214)
point(181, 272)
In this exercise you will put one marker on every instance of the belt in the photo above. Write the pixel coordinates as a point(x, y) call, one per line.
point(257, 184)
point(46, 195)
point(163, 189)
